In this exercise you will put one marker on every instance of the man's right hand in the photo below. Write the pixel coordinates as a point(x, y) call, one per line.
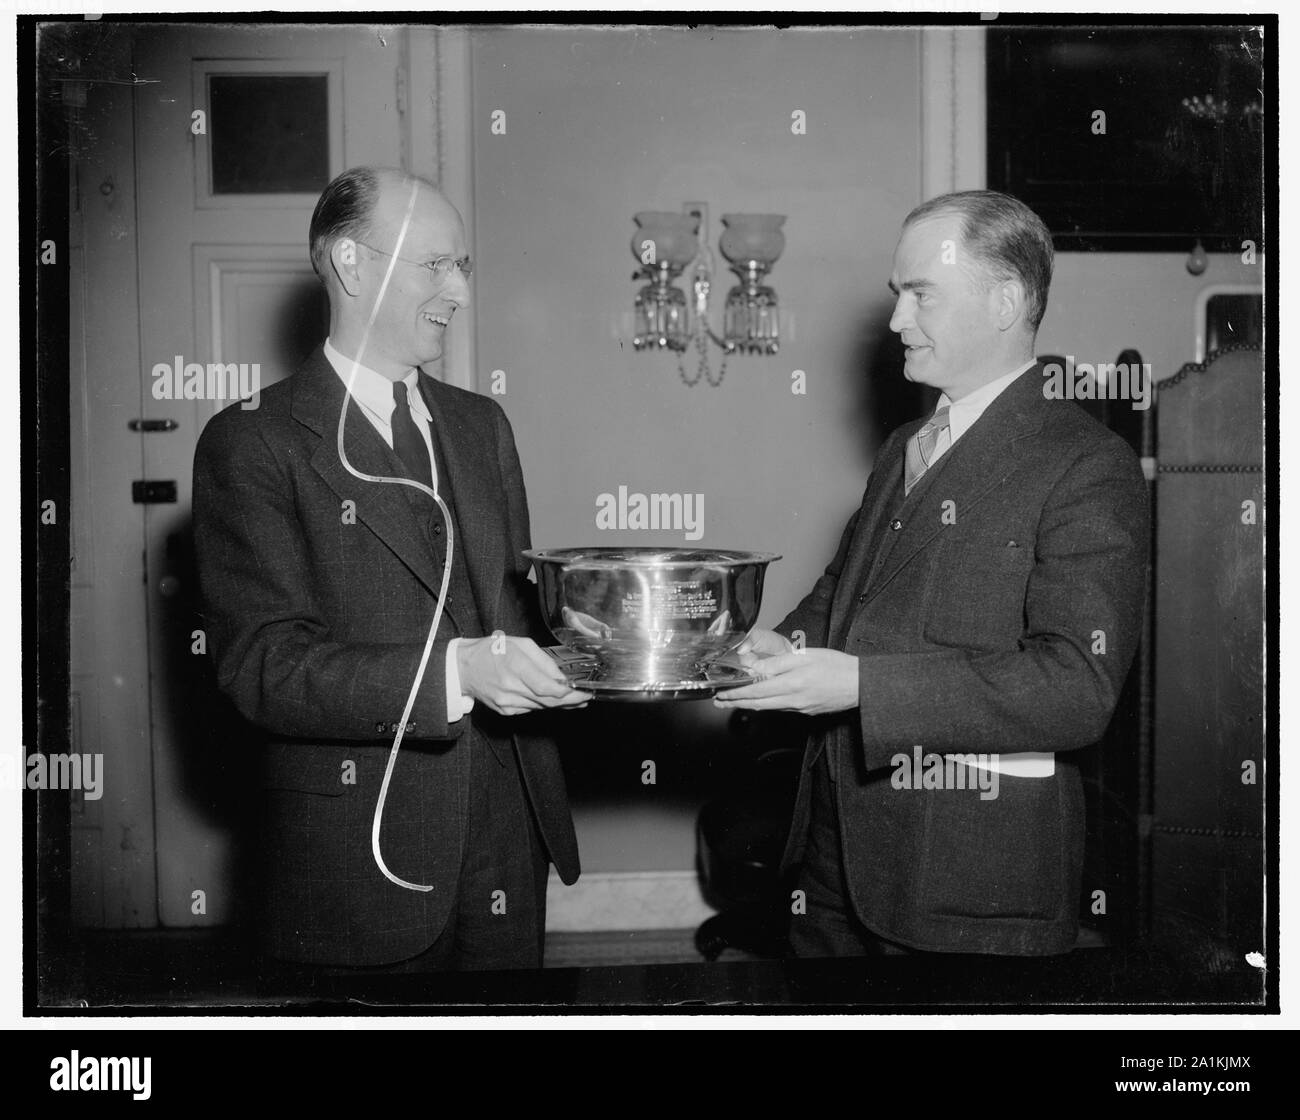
point(513, 676)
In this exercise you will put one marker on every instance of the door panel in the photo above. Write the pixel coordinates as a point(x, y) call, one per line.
point(257, 299)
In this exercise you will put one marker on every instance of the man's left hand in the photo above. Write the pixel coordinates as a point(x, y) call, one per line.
point(811, 681)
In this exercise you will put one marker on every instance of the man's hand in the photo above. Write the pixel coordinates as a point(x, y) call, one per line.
point(810, 681)
point(762, 643)
point(513, 676)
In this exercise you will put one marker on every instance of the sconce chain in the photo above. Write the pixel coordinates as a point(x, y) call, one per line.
point(702, 334)
point(700, 327)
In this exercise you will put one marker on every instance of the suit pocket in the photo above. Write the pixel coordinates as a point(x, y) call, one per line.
point(978, 593)
point(998, 858)
point(307, 768)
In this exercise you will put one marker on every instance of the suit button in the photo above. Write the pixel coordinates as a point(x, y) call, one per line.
point(410, 727)
point(380, 728)
point(437, 530)
point(862, 598)
point(895, 524)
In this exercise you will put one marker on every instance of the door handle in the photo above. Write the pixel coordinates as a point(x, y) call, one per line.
point(148, 491)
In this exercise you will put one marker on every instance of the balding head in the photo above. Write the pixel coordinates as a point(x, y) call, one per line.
point(352, 202)
point(375, 237)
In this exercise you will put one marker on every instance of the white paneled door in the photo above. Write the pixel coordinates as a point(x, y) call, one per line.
point(206, 172)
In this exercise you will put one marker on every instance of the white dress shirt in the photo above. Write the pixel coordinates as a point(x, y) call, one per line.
point(373, 393)
point(962, 415)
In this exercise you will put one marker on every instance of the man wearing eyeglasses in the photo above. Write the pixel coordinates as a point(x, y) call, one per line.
point(320, 585)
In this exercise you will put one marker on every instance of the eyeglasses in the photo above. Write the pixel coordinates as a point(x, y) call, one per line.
point(439, 268)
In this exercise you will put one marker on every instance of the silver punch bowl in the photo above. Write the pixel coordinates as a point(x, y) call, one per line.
point(651, 619)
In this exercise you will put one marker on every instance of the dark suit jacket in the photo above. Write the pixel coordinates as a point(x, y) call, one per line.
point(978, 636)
point(318, 619)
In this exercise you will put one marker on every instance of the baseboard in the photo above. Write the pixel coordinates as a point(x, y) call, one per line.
point(625, 900)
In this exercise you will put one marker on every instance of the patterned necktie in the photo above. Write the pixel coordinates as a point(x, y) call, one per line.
point(407, 441)
point(923, 448)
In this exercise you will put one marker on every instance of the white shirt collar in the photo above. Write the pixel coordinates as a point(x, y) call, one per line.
point(373, 391)
point(963, 413)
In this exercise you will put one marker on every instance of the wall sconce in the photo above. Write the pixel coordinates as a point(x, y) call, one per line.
point(667, 244)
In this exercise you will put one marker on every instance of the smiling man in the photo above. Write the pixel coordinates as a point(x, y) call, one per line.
point(320, 584)
point(973, 630)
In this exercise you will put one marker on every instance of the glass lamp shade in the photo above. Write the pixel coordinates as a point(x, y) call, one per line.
point(665, 238)
point(750, 320)
point(752, 238)
point(751, 243)
point(661, 317)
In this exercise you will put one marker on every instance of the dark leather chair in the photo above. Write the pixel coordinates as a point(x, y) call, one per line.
point(740, 838)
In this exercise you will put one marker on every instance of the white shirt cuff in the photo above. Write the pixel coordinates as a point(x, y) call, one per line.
point(1025, 764)
point(458, 704)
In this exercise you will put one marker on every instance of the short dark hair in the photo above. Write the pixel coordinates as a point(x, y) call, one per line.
point(344, 209)
point(1003, 235)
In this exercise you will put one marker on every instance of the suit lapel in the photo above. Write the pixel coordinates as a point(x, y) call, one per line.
point(383, 507)
point(884, 473)
point(981, 460)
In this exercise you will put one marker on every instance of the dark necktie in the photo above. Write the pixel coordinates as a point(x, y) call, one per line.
point(407, 440)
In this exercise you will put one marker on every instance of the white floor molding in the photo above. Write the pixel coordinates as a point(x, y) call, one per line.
point(614, 900)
